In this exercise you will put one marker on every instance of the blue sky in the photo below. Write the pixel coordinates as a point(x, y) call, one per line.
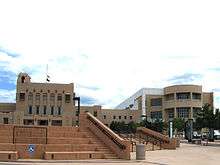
point(110, 49)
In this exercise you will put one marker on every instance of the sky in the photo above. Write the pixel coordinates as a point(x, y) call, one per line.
point(110, 49)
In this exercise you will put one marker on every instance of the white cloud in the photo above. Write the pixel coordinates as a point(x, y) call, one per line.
point(117, 46)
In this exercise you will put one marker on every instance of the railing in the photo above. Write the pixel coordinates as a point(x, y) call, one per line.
point(153, 134)
point(155, 137)
point(106, 131)
point(117, 144)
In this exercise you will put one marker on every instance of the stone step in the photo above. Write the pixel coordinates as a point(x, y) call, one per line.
point(75, 155)
point(8, 155)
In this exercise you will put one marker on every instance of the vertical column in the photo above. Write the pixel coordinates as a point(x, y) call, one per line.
point(190, 113)
point(175, 113)
point(143, 106)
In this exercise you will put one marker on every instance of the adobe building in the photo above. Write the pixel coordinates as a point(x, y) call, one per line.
point(53, 104)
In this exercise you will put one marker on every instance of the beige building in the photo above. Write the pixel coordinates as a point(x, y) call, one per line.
point(177, 101)
point(53, 104)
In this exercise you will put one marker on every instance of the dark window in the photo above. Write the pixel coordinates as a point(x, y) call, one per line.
point(5, 120)
point(114, 117)
point(130, 117)
point(77, 113)
point(156, 115)
point(169, 97)
point(183, 112)
point(59, 110)
point(56, 122)
point(30, 110)
point(196, 96)
point(22, 79)
point(95, 113)
point(37, 110)
point(44, 98)
point(125, 117)
point(28, 122)
point(170, 113)
point(119, 117)
point(45, 110)
point(156, 102)
point(52, 97)
point(22, 96)
point(30, 97)
point(104, 116)
point(52, 110)
point(59, 97)
point(185, 95)
point(67, 98)
point(38, 97)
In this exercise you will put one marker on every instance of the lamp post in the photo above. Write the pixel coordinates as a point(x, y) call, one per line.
point(77, 99)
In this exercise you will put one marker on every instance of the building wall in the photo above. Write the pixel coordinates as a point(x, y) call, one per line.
point(43, 96)
point(152, 103)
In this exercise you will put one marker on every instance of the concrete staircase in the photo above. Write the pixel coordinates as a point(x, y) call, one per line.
point(91, 140)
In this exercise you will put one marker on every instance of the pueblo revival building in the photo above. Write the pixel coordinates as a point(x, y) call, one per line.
point(54, 104)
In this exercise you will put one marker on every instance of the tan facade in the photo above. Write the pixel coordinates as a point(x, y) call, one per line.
point(52, 104)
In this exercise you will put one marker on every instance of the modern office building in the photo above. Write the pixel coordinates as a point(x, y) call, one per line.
point(177, 101)
point(53, 104)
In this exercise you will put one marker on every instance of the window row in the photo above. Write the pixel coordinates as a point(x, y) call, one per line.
point(44, 97)
point(156, 115)
point(183, 95)
point(119, 117)
point(44, 110)
point(156, 102)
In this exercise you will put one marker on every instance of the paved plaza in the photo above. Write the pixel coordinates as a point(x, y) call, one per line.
point(187, 154)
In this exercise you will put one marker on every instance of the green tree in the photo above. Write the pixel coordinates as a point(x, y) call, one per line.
point(178, 124)
point(132, 127)
point(207, 119)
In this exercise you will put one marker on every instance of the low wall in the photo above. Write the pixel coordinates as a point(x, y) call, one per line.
point(118, 145)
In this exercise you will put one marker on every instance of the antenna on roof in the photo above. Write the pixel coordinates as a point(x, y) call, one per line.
point(47, 75)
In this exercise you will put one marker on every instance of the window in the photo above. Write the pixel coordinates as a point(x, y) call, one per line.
point(52, 97)
point(185, 95)
point(44, 98)
point(156, 102)
point(52, 110)
point(22, 96)
point(59, 97)
point(104, 116)
point(183, 112)
point(38, 97)
point(37, 110)
point(119, 117)
point(77, 113)
point(169, 97)
point(95, 113)
point(30, 97)
point(28, 122)
point(196, 96)
point(125, 117)
point(114, 117)
point(59, 110)
point(5, 119)
point(45, 110)
point(67, 98)
point(171, 114)
point(130, 117)
point(56, 122)
point(156, 115)
point(30, 110)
